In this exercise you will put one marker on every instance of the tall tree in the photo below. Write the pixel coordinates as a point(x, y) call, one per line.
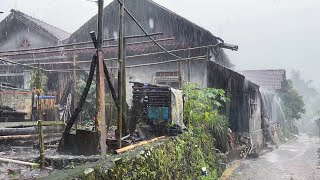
point(293, 103)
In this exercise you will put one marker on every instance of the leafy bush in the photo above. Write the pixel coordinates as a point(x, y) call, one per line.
point(293, 107)
point(38, 80)
point(182, 157)
point(201, 109)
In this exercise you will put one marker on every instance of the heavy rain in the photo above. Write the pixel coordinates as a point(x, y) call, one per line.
point(159, 89)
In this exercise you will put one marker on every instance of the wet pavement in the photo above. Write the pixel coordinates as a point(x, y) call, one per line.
point(297, 160)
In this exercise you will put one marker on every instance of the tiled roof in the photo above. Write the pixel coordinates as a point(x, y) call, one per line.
point(56, 32)
point(266, 79)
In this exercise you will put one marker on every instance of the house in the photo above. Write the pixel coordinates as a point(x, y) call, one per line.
point(272, 82)
point(20, 31)
point(154, 18)
point(203, 62)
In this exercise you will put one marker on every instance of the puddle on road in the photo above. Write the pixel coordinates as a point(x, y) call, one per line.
point(271, 157)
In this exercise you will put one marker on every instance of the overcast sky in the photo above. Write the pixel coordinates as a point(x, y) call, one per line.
point(270, 33)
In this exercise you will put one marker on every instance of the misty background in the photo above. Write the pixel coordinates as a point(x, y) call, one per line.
point(270, 33)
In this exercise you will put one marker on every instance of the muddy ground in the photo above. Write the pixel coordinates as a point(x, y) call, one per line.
point(29, 154)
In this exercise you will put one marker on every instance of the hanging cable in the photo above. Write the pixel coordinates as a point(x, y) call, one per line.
point(79, 43)
point(140, 26)
point(20, 64)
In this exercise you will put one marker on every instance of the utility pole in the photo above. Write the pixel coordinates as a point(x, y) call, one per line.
point(100, 87)
point(120, 74)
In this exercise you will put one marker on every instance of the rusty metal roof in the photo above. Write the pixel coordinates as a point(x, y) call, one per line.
point(272, 79)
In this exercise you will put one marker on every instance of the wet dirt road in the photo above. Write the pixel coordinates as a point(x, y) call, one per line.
point(297, 160)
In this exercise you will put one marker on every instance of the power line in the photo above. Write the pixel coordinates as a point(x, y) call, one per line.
point(20, 64)
point(111, 59)
point(81, 43)
point(140, 26)
point(79, 49)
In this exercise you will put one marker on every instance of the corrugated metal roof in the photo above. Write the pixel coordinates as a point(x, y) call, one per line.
point(56, 32)
point(171, 24)
point(271, 79)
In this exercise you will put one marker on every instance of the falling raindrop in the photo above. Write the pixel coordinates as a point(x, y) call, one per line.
point(115, 34)
point(151, 23)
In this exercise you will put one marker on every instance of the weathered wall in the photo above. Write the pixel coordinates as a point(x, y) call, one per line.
point(235, 87)
point(255, 122)
point(20, 32)
point(18, 100)
point(242, 117)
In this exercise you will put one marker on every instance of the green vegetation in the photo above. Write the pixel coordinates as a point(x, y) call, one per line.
point(89, 107)
point(293, 103)
point(182, 157)
point(311, 98)
point(293, 108)
point(185, 156)
point(38, 80)
point(191, 155)
point(201, 110)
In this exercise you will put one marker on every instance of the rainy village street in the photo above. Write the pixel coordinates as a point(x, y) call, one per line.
point(142, 89)
point(297, 160)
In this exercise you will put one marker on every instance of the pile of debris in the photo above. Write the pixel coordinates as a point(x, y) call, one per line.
point(8, 114)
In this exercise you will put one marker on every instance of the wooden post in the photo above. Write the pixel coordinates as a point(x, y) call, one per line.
point(100, 86)
point(74, 92)
point(41, 144)
point(179, 71)
point(124, 87)
point(38, 106)
point(189, 75)
point(208, 53)
point(120, 74)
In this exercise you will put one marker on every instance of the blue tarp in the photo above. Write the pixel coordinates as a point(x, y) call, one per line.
point(46, 97)
point(158, 113)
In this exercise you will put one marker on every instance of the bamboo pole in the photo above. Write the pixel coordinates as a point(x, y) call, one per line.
point(30, 130)
point(33, 165)
point(127, 148)
point(41, 145)
point(29, 123)
point(27, 137)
